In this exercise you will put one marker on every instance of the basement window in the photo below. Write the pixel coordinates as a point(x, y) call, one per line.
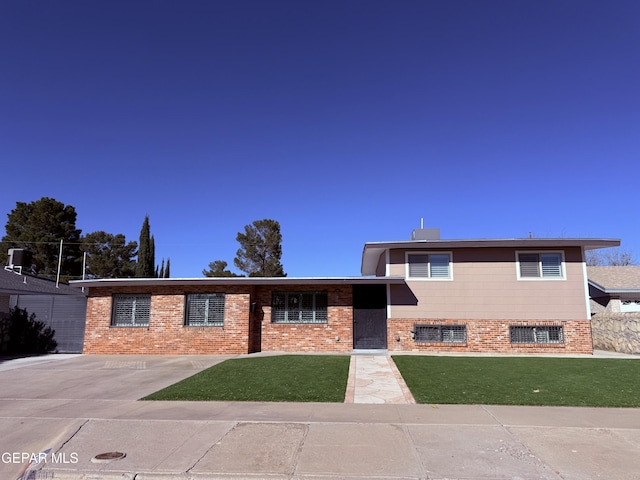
point(440, 333)
point(536, 334)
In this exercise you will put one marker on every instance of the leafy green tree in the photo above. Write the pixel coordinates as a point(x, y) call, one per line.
point(260, 249)
point(218, 268)
point(145, 267)
point(108, 255)
point(38, 227)
point(167, 269)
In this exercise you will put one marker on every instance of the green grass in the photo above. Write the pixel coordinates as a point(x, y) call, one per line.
point(522, 381)
point(287, 378)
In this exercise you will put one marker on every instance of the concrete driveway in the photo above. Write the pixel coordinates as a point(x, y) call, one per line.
point(86, 405)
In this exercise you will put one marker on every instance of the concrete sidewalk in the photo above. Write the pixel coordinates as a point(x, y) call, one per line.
point(188, 441)
point(85, 406)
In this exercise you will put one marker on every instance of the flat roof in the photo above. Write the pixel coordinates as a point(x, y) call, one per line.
point(373, 250)
point(275, 281)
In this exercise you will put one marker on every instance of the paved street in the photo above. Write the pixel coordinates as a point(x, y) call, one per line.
point(82, 406)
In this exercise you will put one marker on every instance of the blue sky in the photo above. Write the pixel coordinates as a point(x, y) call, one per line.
point(346, 121)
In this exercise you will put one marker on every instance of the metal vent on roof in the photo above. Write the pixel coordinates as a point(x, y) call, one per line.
point(425, 234)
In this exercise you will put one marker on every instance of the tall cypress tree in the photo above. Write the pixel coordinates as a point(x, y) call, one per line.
point(166, 268)
point(145, 264)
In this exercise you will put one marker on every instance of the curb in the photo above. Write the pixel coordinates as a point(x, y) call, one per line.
point(58, 475)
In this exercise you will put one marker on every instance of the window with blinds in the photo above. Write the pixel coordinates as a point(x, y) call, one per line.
point(429, 265)
point(440, 333)
point(540, 265)
point(205, 310)
point(131, 310)
point(299, 307)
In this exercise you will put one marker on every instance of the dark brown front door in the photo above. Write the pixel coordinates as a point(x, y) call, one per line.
point(369, 317)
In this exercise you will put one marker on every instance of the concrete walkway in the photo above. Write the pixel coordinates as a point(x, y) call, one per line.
point(375, 379)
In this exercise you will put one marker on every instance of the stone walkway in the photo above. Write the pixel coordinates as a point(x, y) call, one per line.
point(375, 379)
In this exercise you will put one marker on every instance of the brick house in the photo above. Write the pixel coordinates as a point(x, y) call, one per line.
point(424, 294)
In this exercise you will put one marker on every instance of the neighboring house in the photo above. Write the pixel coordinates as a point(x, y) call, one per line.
point(614, 289)
point(424, 294)
point(61, 307)
point(615, 305)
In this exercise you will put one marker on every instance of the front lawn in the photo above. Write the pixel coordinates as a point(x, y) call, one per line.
point(585, 382)
point(285, 378)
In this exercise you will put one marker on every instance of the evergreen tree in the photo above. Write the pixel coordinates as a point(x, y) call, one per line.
point(260, 249)
point(167, 268)
point(146, 251)
point(38, 227)
point(152, 247)
point(218, 268)
point(109, 256)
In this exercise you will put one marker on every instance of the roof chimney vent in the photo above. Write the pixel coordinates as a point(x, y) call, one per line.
point(425, 234)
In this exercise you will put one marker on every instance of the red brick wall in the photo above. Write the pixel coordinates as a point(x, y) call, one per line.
point(334, 336)
point(490, 336)
point(166, 333)
point(245, 332)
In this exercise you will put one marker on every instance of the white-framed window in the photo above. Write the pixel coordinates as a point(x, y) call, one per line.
point(540, 265)
point(519, 334)
point(131, 310)
point(429, 265)
point(440, 333)
point(204, 310)
point(630, 305)
point(299, 307)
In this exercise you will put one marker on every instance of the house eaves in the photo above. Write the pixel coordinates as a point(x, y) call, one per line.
point(373, 250)
point(13, 283)
point(226, 281)
point(613, 291)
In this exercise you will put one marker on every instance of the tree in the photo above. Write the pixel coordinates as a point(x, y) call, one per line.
point(218, 268)
point(39, 226)
point(145, 267)
point(615, 257)
point(167, 268)
point(108, 255)
point(260, 249)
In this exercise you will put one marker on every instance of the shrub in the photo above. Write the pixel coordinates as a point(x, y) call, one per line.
point(26, 334)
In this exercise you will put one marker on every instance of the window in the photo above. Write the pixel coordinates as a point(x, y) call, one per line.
point(540, 265)
point(131, 310)
point(429, 265)
point(536, 334)
point(630, 306)
point(205, 310)
point(440, 333)
point(299, 307)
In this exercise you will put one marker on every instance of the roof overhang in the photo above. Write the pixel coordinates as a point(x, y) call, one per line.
point(373, 250)
point(613, 291)
point(225, 281)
